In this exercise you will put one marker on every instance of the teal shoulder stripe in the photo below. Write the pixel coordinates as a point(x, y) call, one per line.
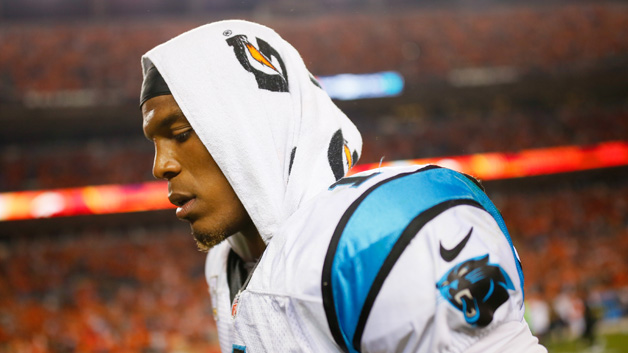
point(373, 227)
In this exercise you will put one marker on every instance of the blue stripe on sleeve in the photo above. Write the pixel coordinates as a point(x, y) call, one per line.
point(376, 225)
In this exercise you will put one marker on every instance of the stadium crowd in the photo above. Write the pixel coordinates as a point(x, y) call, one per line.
point(114, 160)
point(501, 129)
point(423, 44)
point(132, 290)
point(60, 165)
point(572, 239)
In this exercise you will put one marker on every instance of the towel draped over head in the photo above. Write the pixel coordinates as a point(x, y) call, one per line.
point(272, 130)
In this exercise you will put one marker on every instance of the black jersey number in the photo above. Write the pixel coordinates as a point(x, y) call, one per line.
point(353, 181)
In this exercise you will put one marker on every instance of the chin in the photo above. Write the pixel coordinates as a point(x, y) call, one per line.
point(205, 239)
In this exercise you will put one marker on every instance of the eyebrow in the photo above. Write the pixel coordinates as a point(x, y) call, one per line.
point(167, 121)
point(170, 119)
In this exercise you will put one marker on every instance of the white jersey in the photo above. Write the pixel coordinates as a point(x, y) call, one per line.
point(412, 259)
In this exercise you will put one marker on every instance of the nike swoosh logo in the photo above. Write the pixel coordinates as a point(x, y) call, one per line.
point(450, 254)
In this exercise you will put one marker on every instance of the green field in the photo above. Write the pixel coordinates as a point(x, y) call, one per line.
point(606, 343)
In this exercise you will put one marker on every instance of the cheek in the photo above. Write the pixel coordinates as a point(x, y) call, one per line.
point(218, 195)
point(222, 216)
point(234, 212)
point(232, 204)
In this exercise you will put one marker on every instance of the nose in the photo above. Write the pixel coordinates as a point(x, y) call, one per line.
point(165, 165)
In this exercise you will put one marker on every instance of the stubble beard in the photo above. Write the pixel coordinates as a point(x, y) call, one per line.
point(208, 238)
point(205, 240)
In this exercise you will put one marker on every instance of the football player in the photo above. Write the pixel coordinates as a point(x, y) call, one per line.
point(300, 257)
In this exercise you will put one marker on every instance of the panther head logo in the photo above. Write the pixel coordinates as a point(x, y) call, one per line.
point(477, 288)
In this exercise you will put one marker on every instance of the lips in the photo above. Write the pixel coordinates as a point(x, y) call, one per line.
point(184, 210)
point(184, 203)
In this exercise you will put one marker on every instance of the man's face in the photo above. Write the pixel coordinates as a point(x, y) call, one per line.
point(196, 185)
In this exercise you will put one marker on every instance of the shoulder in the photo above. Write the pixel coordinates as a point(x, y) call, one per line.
point(296, 252)
point(392, 208)
point(406, 189)
point(363, 200)
point(367, 213)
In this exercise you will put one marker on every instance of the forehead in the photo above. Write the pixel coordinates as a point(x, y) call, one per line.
point(160, 112)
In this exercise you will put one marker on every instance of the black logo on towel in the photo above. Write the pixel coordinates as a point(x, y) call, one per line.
point(340, 157)
point(263, 61)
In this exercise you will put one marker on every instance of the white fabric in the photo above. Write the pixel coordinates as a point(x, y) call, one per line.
point(281, 310)
point(216, 276)
point(250, 131)
point(511, 337)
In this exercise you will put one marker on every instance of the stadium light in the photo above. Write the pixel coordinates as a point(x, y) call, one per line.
point(361, 86)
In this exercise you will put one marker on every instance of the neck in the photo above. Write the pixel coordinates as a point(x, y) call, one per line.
point(248, 245)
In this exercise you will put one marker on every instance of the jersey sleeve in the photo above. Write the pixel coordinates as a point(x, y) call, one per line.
point(421, 263)
point(454, 289)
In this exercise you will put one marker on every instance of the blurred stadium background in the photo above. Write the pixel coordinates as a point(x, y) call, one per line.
point(484, 79)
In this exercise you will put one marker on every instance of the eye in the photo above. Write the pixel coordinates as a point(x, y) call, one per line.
point(182, 137)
